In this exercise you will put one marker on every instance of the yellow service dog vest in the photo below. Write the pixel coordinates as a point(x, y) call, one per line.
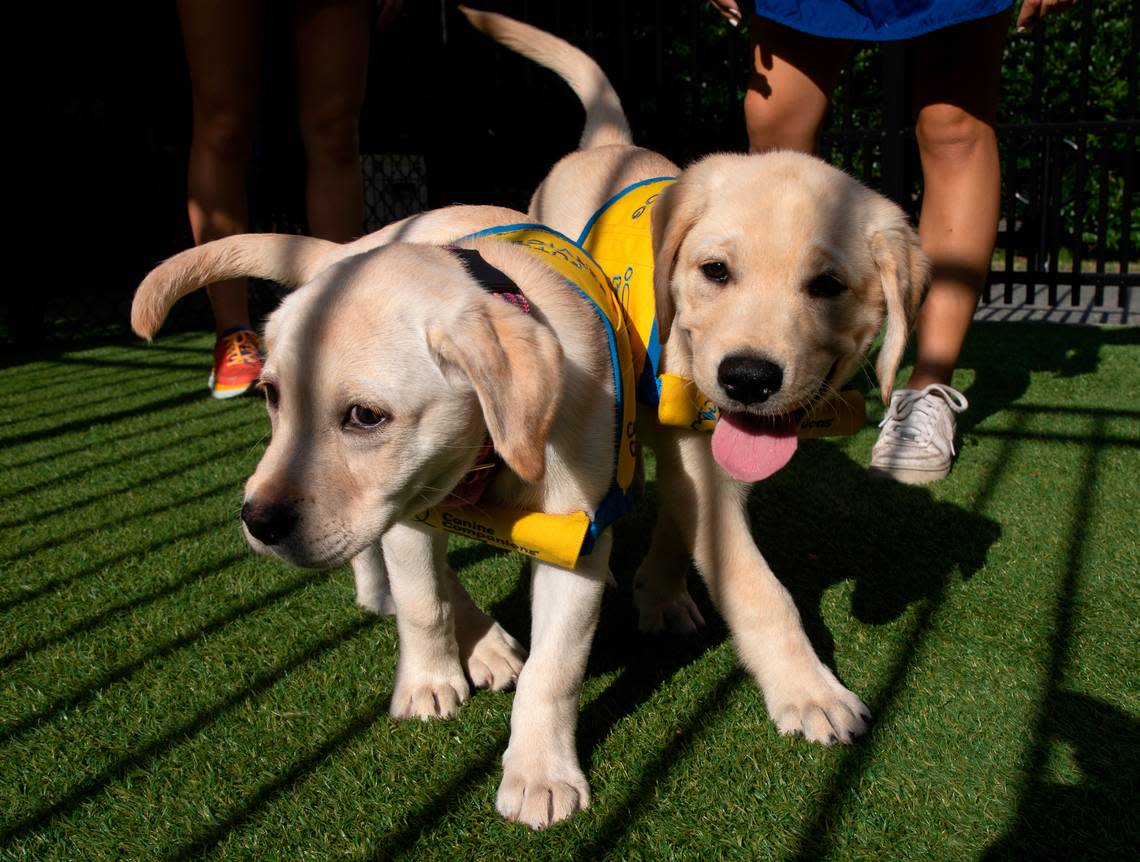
point(562, 539)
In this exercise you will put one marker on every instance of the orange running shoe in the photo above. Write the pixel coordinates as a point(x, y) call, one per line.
point(237, 362)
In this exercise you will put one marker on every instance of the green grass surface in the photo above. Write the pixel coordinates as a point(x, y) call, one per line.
point(166, 694)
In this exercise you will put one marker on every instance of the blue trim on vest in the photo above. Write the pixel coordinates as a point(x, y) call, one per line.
point(586, 230)
point(649, 383)
point(616, 502)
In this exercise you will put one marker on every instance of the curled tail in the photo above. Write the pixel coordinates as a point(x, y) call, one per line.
point(605, 120)
point(287, 259)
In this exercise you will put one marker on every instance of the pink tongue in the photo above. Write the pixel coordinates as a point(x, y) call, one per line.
point(751, 452)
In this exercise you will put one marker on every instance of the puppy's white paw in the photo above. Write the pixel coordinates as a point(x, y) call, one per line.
point(429, 698)
point(817, 707)
point(494, 660)
point(542, 791)
point(677, 614)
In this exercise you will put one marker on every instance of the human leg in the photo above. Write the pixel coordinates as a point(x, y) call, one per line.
point(224, 43)
point(792, 77)
point(955, 88)
point(331, 42)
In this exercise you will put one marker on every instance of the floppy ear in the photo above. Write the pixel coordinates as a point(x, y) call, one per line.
point(673, 215)
point(284, 258)
point(515, 365)
point(904, 273)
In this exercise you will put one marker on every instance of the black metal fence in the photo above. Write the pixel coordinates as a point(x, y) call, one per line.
point(451, 117)
point(1067, 246)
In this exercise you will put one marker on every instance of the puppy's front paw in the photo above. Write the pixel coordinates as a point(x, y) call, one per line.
point(494, 659)
point(429, 698)
point(541, 791)
point(817, 707)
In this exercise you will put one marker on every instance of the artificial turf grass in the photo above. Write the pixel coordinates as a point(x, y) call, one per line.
point(164, 693)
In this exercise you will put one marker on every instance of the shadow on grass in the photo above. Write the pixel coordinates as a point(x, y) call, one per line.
point(1004, 371)
point(137, 551)
point(93, 622)
point(231, 485)
point(183, 731)
point(153, 428)
point(64, 428)
point(135, 456)
point(821, 521)
point(1088, 819)
point(511, 610)
point(123, 343)
point(1068, 352)
point(91, 688)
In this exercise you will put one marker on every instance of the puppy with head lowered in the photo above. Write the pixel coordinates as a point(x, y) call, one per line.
point(769, 276)
point(389, 367)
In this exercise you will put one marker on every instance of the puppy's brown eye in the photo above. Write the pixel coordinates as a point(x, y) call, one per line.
point(825, 286)
point(362, 417)
point(716, 271)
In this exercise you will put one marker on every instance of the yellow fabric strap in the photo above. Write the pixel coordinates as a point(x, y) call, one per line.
point(683, 405)
point(554, 539)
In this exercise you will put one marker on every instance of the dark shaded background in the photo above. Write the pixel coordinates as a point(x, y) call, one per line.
point(451, 117)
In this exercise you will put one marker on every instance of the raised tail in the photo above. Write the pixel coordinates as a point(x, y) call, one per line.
point(283, 258)
point(605, 120)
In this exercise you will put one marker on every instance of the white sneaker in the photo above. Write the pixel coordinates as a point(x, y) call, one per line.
point(916, 444)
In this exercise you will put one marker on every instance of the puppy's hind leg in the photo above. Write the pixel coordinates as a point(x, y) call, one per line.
point(660, 589)
point(429, 677)
point(492, 658)
point(542, 780)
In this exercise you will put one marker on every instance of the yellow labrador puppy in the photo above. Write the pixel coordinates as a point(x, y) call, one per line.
point(772, 274)
point(387, 369)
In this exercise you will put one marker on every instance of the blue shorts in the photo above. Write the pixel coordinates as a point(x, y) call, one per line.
point(875, 20)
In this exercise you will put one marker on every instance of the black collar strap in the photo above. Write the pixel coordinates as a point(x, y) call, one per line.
point(493, 280)
point(490, 278)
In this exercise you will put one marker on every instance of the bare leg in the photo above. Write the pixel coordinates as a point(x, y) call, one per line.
point(956, 89)
point(332, 63)
point(224, 43)
point(792, 77)
point(542, 779)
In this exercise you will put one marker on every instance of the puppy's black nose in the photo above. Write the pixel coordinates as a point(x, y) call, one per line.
point(749, 379)
point(269, 523)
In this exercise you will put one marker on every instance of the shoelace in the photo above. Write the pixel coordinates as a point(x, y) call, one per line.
point(242, 348)
point(911, 416)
